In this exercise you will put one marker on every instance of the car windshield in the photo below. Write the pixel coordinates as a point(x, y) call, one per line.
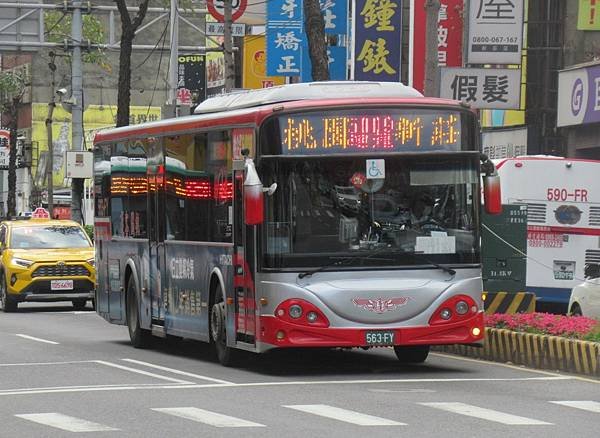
point(48, 237)
point(324, 208)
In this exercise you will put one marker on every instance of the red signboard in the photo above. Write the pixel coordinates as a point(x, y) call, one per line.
point(216, 9)
point(40, 213)
point(449, 32)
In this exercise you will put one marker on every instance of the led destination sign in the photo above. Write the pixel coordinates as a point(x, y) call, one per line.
point(370, 131)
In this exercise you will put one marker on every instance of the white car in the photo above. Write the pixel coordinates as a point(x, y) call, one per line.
point(585, 298)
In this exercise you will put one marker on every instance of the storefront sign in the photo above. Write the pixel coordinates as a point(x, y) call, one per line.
point(377, 40)
point(579, 96)
point(495, 31)
point(482, 87)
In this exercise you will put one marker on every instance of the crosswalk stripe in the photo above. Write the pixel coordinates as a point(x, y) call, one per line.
point(586, 405)
point(145, 373)
point(485, 414)
point(179, 372)
point(344, 415)
point(65, 422)
point(208, 417)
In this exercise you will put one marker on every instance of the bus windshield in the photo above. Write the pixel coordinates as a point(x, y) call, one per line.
point(326, 208)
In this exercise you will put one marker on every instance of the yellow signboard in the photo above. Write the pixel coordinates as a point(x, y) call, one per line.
point(95, 118)
point(588, 17)
point(255, 64)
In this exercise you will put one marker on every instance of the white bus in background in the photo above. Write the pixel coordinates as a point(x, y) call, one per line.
point(563, 226)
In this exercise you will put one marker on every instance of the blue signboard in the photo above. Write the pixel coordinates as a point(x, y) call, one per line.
point(335, 14)
point(281, 13)
point(285, 37)
point(377, 40)
point(337, 63)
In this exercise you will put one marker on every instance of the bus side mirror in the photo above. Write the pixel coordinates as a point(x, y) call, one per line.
point(254, 204)
point(492, 197)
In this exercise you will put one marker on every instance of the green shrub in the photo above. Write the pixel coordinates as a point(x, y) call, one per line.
point(89, 229)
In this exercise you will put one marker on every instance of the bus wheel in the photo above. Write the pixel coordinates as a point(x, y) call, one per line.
point(8, 304)
point(218, 332)
point(412, 354)
point(140, 338)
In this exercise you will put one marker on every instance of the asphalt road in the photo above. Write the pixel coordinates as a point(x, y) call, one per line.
point(65, 372)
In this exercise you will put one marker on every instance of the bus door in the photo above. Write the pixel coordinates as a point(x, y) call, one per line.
point(243, 267)
point(156, 236)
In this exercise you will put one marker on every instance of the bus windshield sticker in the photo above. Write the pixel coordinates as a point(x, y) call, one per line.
point(436, 244)
point(375, 169)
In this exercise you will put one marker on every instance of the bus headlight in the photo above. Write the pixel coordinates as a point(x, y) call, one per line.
point(312, 316)
point(461, 307)
point(295, 311)
point(446, 314)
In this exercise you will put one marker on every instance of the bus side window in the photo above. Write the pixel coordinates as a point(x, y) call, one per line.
point(219, 168)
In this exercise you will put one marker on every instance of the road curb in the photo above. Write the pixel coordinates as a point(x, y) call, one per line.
point(534, 351)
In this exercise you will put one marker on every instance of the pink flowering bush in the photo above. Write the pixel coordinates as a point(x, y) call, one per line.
point(578, 327)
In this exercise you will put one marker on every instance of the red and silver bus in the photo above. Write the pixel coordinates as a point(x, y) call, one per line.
point(563, 221)
point(335, 214)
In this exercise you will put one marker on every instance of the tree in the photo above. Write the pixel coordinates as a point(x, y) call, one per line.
point(314, 26)
point(128, 29)
point(12, 87)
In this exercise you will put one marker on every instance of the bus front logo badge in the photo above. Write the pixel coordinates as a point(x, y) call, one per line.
point(567, 214)
point(380, 305)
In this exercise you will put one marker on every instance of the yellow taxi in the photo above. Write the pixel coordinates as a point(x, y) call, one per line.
point(45, 260)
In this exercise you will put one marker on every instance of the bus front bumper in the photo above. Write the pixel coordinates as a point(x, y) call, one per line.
point(281, 334)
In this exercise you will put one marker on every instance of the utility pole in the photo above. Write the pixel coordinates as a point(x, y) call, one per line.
point(228, 46)
point(50, 159)
point(173, 64)
point(77, 107)
point(432, 71)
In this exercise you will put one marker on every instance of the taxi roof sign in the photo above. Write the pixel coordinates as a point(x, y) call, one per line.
point(40, 213)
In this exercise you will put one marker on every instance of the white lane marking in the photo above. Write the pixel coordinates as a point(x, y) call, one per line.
point(208, 417)
point(393, 391)
point(485, 414)
point(26, 391)
point(586, 405)
point(26, 364)
point(344, 415)
point(179, 372)
point(66, 422)
point(145, 373)
point(35, 339)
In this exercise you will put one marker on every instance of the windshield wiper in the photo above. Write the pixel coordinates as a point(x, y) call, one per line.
point(342, 261)
point(346, 260)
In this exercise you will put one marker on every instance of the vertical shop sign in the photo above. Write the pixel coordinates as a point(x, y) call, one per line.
point(255, 64)
point(191, 79)
point(449, 31)
point(377, 40)
point(285, 37)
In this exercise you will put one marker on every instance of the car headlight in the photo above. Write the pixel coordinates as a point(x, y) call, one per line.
point(92, 262)
point(21, 262)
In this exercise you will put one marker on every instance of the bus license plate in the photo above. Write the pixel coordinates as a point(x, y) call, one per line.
point(379, 338)
point(61, 284)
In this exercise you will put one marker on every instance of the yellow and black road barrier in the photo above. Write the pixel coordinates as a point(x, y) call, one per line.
point(508, 302)
point(534, 351)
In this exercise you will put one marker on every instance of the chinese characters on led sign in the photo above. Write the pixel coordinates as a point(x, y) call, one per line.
point(369, 133)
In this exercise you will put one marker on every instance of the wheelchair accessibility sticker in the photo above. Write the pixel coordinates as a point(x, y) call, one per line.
point(375, 169)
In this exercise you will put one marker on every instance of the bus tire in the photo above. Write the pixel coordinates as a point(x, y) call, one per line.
point(8, 303)
point(140, 338)
point(227, 356)
point(412, 354)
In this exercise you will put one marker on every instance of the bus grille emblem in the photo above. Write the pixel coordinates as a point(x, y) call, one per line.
point(380, 305)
